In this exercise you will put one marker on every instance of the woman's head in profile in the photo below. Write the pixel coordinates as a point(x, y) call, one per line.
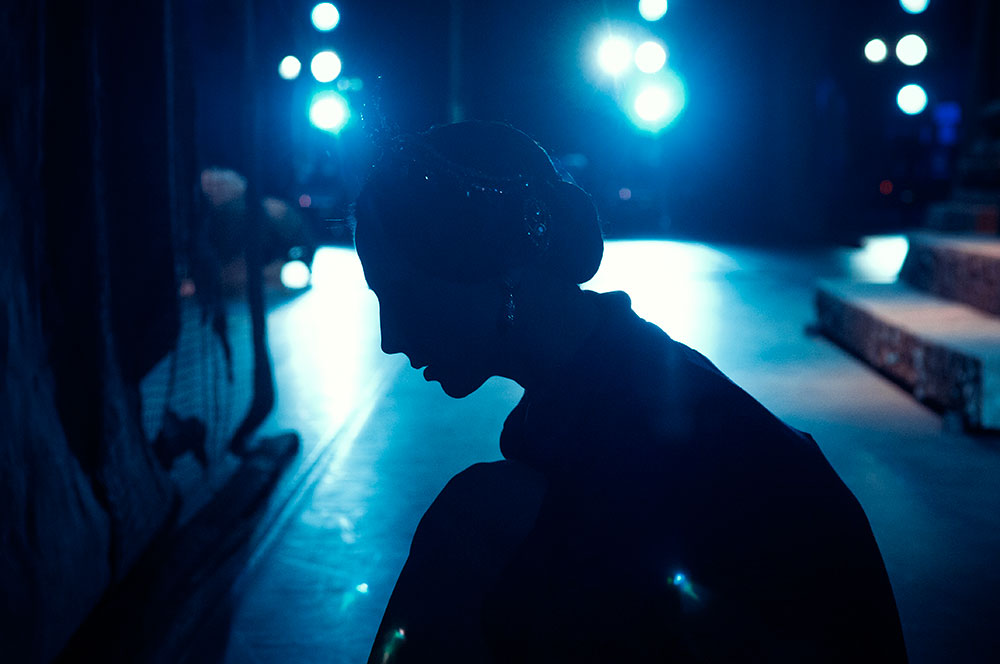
point(472, 240)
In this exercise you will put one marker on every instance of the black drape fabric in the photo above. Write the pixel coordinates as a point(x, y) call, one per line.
point(652, 511)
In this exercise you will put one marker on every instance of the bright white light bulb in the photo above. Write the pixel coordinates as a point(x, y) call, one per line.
point(652, 10)
point(295, 275)
point(325, 17)
point(914, 6)
point(650, 57)
point(325, 66)
point(911, 50)
point(329, 112)
point(876, 50)
point(912, 99)
point(653, 103)
point(289, 68)
point(614, 55)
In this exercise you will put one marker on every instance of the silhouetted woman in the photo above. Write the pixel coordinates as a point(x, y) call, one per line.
point(648, 510)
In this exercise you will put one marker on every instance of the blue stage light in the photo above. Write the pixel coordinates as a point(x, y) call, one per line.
point(289, 68)
point(876, 50)
point(325, 66)
point(650, 57)
point(325, 17)
point(911, 50)
point(655, 105)
point(614, 55)
point(912, 99)
point(329, 111)
point(652, 10)
point(914, 6)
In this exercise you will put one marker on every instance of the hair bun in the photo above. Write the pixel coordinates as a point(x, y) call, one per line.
point(576, 244)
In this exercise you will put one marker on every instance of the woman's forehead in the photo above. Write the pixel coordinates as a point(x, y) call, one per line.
point(383, 266)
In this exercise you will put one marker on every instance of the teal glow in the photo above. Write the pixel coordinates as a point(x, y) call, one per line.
point(653, 106)
point(329, 111)
point(650, 57)
point(876, 50)
point(911, 50)
point(652, 10)
point(325, 17)
point(614, 55)
point(325, 66)
point(289, 68)
point(914, 6)
point(912, 99)
point(295, 275)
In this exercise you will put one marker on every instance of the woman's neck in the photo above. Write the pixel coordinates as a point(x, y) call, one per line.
point(551, 326)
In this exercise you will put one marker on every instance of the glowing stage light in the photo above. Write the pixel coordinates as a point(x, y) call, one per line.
point(652, 103)
point(289, 68)
point(912, 99)
point(325, 66)
point(914, 6)
point(362, 588)
point(911, 50)
point(652, 10)
point(325, 17)
point(876, 50)
point(614, 55)
point(650, 57)
point(295, 275)
point(658, 104)
point(329, 112)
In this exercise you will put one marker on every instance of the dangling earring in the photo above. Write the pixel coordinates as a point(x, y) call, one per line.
point(506, 321)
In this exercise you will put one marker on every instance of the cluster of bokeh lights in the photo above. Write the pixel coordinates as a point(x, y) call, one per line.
point(655, 96)
point(911, 50)
point(328, 110)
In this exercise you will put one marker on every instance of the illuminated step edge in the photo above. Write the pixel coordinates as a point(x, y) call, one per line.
point(960, 267)
point(946, 353)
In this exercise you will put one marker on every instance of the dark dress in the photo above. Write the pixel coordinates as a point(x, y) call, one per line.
point(649, 510)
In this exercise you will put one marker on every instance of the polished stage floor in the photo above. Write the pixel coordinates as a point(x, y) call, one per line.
point(379, 443)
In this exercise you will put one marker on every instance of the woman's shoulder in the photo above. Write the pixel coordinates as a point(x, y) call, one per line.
point(498, 499)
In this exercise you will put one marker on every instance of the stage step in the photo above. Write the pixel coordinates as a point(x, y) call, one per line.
point(946, 353)
point(960, 267)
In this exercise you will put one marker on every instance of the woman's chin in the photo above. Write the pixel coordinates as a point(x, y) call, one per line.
point(457, 389)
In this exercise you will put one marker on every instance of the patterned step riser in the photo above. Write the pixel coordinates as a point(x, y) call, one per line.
point(936, 375)
point(948, 271)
